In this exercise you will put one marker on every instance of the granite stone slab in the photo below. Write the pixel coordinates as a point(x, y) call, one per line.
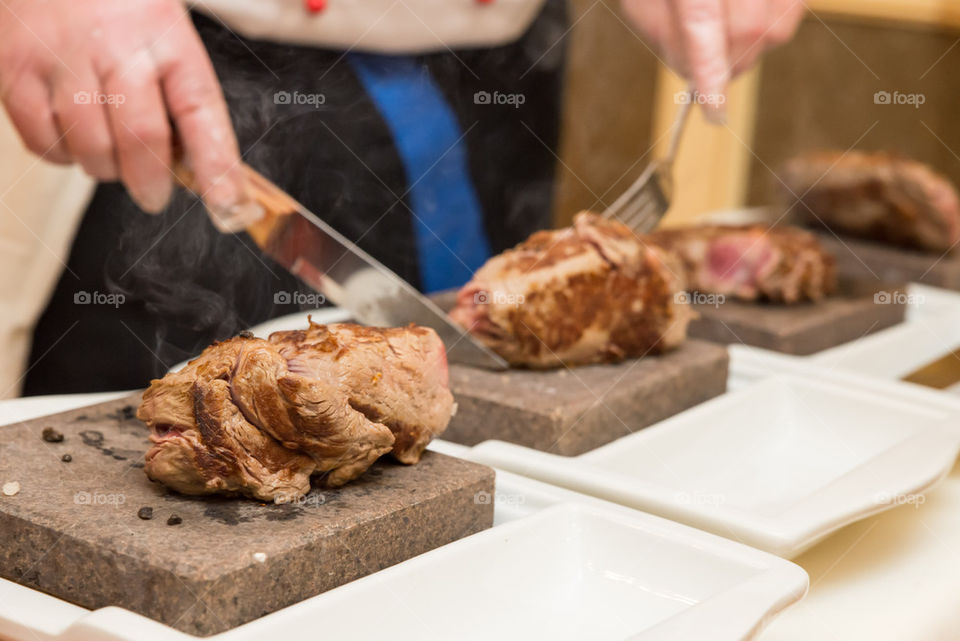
point(865, 259)
point(804, 328)
point(572, 411)
point(73, 529)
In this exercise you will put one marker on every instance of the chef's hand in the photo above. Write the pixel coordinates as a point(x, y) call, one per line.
point(710, 41)
point(99, 82)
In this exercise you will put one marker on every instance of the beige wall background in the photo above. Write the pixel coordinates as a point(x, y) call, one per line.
point(818, 91)
point(609, 108)
point(815, 92)
point(40, 207)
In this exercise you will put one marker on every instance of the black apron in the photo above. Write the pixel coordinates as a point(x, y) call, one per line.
point(184, 285)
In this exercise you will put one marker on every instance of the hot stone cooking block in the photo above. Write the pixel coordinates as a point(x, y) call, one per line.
point(868, 259)
point(858, 309)
point(572, 411)
point(73, 529)
point(569, 411)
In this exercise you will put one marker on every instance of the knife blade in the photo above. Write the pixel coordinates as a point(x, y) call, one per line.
point(346, 275)
point(941, 373)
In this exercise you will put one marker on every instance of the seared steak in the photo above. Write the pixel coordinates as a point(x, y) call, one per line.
point(259, 417)
point(879, 196)
point(397, 377)
point(203, 444)
point(781, 264)
point(594, 292)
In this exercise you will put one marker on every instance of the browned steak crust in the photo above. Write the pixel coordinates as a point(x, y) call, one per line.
point(594, 292)
point(259, 417)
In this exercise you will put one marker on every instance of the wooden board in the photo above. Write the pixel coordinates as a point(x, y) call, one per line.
point(806, 328)
point(572, 411)
point(73, 530)
point(865, 259)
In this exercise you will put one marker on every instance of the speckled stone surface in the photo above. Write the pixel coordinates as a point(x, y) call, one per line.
point(798, 329)
point(73, 529)
point(865, 259)
point(572, 411)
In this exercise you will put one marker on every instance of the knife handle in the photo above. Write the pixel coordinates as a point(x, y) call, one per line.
point(276, 203)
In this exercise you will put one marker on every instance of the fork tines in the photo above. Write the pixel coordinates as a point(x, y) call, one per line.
point(643, 204)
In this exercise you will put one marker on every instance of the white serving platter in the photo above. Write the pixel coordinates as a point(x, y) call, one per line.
point(931, 330)
point(896, 351)
point(16, 410)
point(778, 464)
point(569, 572)
point(555, 565)
point(924, 301)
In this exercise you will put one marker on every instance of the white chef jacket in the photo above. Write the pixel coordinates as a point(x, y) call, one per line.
point(379, 26)
point(41, 204)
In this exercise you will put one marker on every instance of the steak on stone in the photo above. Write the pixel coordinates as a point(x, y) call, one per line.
point(591, 293)
point(878, 196)
point(260, 417)
point(752, 262)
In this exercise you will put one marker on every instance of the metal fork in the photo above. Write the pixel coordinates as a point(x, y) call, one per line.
point(646, 201)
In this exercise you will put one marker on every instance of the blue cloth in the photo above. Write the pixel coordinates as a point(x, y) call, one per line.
point(447, 218)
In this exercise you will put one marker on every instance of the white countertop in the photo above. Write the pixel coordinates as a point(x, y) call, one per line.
point(894, 576)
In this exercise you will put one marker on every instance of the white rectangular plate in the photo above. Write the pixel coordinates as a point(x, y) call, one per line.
point(567, 573)
point(777, 464)
point(895, 352)
point(555, 565)
point(931, 331)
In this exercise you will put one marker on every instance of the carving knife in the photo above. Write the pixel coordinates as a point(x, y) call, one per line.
point(345, 274)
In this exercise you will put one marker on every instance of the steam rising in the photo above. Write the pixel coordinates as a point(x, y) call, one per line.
point(337, 157)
